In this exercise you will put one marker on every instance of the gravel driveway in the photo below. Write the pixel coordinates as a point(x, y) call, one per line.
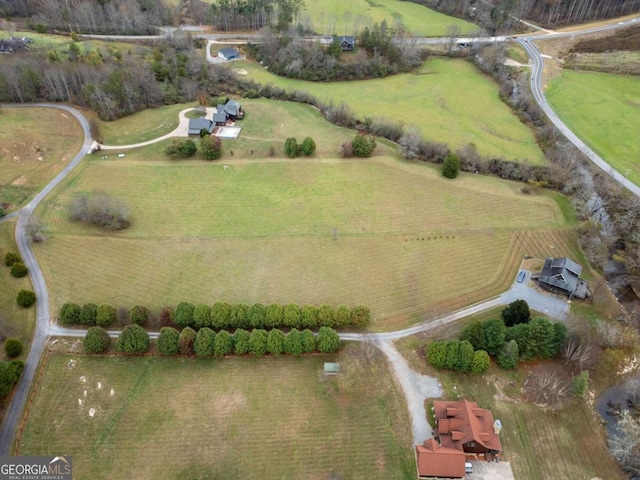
point(552, 305)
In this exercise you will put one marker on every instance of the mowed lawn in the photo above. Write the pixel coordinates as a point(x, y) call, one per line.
point(252, 418)
point(604, 111)
point(142, 126)
point(540, 442)
point(262, 230)
point(35, 144)
point(329, 17)
point(449, 101)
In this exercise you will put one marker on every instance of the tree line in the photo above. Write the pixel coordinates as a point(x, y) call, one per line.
point(112, 82)
point(207, 343)
point(221, 315)
point(503, 15)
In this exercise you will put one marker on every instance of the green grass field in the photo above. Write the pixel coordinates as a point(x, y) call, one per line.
point(262, 231)
point(142, 126)
point(538, 441)
point(449, 101)
point(251, 418)
point(31, 156)
point(604, 111)
point(346, 18)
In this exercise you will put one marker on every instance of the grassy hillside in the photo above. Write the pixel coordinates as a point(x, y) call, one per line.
point(449, 101)
point(407, 240)
point(604, 111)
point(250, 418)
point(344, 18)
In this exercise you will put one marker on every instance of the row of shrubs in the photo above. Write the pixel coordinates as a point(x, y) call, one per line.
point(207, 343)
point(223, 315)
point(15, 263)
point(457, 355)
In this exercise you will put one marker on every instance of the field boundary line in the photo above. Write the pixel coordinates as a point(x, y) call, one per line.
point(42, 365)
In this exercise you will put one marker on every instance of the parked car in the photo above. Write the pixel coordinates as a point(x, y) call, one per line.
point(468, 467)
point(521, 276)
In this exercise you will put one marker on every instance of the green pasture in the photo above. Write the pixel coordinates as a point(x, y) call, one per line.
point(449, 101)
point(604, 111)
point(538, 441)
point(243, 417)
point(386, 233)
point(31, 155)
point(328, 17)
point(142, 126)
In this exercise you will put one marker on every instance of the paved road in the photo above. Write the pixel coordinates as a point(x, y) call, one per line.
point(37, 280)
point(536, 88)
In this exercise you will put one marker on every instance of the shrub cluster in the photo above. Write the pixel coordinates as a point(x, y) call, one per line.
point(457, 355)
point(19, 269)
point(12, 347)
point(26, 298)
point(539, 338)
point(101, 209)
point(10, 372)
point(10, 258)
point(223, 315)
point(181, 148)
point(293, 149)
point(207, 343)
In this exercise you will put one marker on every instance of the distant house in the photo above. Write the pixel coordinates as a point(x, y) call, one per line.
point(13, 44)
point(232, 110)
point(228, 53)
point(434, 460)
point(196, 125)
point(561, 275)
point(464, 426)
point(347, 43)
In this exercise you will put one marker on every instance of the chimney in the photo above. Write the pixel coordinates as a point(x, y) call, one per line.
point(497, 427)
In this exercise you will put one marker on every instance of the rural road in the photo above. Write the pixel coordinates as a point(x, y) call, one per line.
point(536, 88)
point(41, 333)
point(421, 429)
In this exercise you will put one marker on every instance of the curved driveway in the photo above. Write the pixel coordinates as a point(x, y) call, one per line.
point(37, 280)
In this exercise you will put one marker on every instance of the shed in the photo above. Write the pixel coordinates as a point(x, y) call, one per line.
point(331, 368)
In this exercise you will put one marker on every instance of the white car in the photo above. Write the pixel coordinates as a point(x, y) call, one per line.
point(468, 467)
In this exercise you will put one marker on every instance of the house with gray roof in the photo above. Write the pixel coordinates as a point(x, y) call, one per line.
point(228, 53)
point(196, 125)
point(562, 275)
point(348, 43)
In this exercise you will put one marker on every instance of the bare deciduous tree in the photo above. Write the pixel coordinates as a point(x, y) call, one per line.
point(35, 230)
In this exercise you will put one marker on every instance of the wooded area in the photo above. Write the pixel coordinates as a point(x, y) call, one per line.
point(503, 14)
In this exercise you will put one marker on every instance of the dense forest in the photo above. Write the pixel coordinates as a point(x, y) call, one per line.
point(498, 15)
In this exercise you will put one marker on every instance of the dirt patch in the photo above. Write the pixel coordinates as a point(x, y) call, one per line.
point(20, 181)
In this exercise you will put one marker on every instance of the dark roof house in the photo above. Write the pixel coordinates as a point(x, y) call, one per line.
point(561, 275)
point(196, 125)
point(434, 460)
point(228, 53)
point(348, 43)
point(232, 110)
point(464, 426)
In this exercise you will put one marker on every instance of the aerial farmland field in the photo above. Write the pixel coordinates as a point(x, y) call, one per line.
point(229, 418)
point(389, 234)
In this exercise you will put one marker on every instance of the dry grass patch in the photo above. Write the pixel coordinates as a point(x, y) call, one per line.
point(35, 144)
point(236, 417)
